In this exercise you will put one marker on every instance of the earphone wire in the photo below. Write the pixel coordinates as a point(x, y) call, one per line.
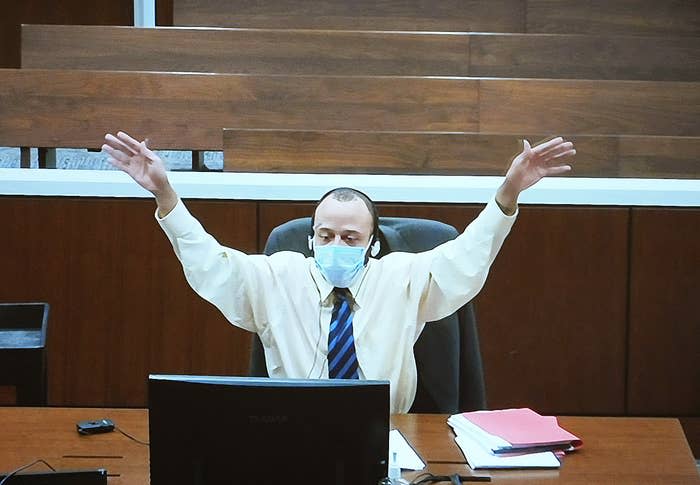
point(318, 340)
point(24, 467)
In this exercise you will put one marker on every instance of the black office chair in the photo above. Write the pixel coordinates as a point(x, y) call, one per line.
point(23, 351)
point(448, 358)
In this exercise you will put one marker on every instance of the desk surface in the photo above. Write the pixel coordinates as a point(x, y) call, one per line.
point(616, 450)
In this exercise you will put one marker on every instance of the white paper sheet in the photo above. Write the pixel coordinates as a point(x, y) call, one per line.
point(406, 457)
point(479, 456)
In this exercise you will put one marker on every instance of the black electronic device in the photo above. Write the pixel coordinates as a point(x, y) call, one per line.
point(63, 477)
point(216, 430)
point(95, 427)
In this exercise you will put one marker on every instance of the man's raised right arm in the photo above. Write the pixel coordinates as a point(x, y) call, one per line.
point(223, 276)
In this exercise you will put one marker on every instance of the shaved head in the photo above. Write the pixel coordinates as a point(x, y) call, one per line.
point(344, 216)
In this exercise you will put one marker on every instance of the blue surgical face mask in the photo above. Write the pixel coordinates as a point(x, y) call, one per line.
point(340, 265)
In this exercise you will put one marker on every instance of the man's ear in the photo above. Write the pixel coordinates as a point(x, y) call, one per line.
point(311, 243)
point(374, 250)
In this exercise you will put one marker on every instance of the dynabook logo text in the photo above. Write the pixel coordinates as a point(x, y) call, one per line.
point(268, 419)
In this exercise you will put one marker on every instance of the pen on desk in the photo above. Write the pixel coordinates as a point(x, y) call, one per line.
point(471, 478)
point(532, 449)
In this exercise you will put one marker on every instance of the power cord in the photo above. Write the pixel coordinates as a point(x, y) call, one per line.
point(145, 443)
point(24, 467)
point(454, 479)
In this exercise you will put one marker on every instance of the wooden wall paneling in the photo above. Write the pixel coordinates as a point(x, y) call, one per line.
point(102, 12)
point(188, 111)
point(585, 56)
point(121, 307)
point(97, 321)
point(664, 363)
point(133, 315)
point(272, 214)
point(164, 13)
point(448, 15)
point(632, 17)
point(589, 107)
point(8, 396)
point(256, 51)
point(35, 269)
point(552, 314)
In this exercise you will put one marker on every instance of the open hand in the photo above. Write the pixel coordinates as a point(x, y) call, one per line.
point(134, 158)
point(530, 166)
point(142, 165)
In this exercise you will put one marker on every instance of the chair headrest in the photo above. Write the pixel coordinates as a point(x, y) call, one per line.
point(395, 234)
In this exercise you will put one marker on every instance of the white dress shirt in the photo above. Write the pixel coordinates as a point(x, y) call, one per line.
point(285, 299)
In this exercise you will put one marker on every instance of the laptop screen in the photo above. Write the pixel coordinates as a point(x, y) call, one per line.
point(215, 430)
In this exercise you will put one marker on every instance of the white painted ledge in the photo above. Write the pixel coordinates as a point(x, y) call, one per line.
point(381, 188)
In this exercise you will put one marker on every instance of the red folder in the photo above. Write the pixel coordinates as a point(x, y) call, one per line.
point(523, 428)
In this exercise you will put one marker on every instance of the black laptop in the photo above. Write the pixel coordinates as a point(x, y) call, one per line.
point(62, 477)
point(237, 430)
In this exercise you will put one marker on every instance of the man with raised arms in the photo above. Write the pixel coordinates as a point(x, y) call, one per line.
point(341, 313)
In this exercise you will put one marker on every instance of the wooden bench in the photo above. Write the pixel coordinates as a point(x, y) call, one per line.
point(315, 151)
point(636, 17)
point(327, 52)
point(59, 108)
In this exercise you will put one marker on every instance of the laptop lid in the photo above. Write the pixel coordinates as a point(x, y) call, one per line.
point(214, 430)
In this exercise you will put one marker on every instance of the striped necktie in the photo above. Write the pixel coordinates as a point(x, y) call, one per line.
point(342, 361)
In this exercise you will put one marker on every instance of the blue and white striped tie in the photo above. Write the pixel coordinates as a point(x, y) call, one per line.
point(342, 361)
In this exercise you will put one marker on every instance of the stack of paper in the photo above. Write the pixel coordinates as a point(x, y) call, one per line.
point(511, 438)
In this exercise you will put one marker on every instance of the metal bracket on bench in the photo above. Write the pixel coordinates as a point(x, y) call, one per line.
point(198, 161)
point(47, 158)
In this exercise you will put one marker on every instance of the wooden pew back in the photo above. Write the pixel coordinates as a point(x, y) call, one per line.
point(316, 151)
point(58, 108)
point(327, 52)
point(635, 17)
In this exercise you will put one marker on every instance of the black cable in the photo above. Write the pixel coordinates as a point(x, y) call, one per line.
point(455, 479)
point(419, 478)
point(24, 467)
point(145, 443)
